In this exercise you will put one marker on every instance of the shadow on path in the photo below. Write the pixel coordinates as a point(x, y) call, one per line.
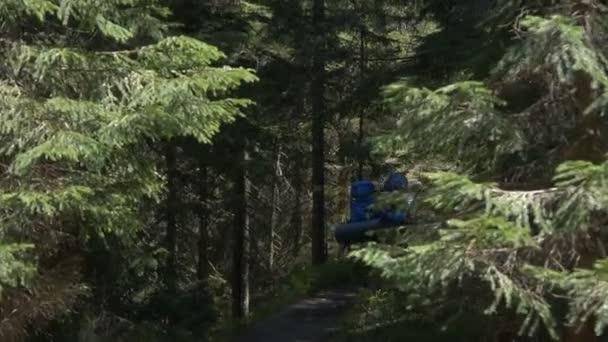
point(312, 320)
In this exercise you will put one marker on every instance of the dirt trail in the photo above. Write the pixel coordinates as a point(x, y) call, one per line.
point(314, 319)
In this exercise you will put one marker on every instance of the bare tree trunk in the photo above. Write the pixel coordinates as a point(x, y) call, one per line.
point(170, 274)
point(296, 218)
point(240, 260)
point(319, 253)
point(275, 207)
point(202, 271)
point(362, 110)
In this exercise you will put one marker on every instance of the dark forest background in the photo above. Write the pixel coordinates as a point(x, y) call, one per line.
point(172, 169)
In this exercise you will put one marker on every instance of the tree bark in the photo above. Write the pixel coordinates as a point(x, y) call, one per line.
point(172, 208)
point(296, 218)
point(360, 155)
point(275, 207)
point(319, 254)
point(202, 271)
point(240, 269)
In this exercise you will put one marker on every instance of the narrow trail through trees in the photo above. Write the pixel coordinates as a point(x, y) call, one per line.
point(314, 319)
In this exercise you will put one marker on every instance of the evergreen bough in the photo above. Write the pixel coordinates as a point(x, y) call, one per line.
point(526, 208)
point(87, 88)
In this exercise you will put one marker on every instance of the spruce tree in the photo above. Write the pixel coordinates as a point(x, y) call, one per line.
point(88, 91)
point(523, 186)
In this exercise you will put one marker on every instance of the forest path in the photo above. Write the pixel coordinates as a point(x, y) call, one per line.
point(314, 319)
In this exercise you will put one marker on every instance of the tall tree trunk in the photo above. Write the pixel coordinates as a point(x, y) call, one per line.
point(202, 270)
point(360, 155)
point(319, 254)
point(299, 171)
point(275, 207)
point(296, 218)
point(172, 208)
point(240, 259)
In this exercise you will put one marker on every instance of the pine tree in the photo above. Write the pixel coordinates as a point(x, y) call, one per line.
point(87, 90)
point(526, 195)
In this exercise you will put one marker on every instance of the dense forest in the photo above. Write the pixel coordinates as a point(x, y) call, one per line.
point(179, 170)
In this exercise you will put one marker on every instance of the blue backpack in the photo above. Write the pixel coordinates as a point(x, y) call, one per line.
point(361, 198)
point(395, 181)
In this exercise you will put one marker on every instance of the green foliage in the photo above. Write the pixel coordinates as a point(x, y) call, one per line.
point(483, 249)
point(392, 315)
point(303, 281)
point(556, 48)
point(14, 271)
point(579, 193)
point(330, 275)
point(452, 191)
point(192, 312)
point(473, 132)
point(585, 193)
point(98, 17)
point(498, 249)
point(80, 122)
point(526, 215)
